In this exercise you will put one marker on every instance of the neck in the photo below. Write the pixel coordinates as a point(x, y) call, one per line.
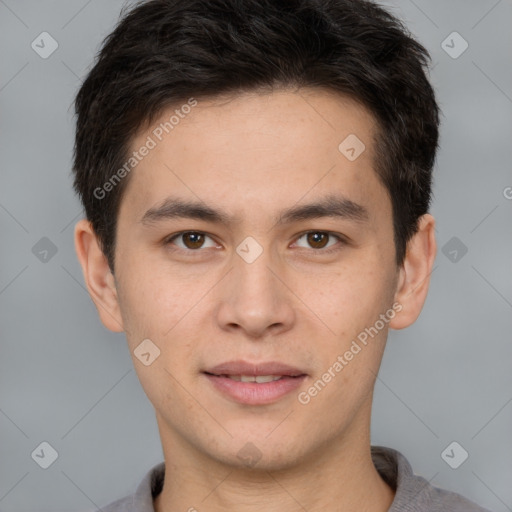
point(341, 473)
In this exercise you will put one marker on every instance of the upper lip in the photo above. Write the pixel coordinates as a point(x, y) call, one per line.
point(254, 369)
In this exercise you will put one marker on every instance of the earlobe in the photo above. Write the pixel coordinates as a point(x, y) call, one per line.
point(414, 279)
point(97, 275)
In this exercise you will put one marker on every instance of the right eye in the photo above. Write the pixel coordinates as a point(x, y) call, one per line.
point(190, 240)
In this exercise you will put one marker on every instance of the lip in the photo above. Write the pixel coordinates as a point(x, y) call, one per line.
point(253, 393)
point(245, 368)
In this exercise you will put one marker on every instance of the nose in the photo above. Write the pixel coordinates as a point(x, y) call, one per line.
point(255, 298)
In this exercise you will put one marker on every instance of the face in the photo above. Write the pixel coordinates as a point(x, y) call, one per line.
point(248, 235)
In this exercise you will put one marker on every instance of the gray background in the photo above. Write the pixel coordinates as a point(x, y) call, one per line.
point(66, 380)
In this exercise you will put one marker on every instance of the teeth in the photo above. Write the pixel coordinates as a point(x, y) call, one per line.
point(250, 378)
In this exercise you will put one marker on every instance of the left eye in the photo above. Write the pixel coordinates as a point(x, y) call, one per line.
point(319, 239)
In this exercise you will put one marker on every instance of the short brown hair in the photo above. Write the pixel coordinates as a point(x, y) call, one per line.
point(162, 52)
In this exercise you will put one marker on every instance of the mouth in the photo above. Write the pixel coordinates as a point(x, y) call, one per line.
point(260, 379)
point(254, 384)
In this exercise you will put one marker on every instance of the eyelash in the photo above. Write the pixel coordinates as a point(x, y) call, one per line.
point(168, 241)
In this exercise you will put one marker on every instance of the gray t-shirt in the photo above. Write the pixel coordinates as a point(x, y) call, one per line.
point(413, 493)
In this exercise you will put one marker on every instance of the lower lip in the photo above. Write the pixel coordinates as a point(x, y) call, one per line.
point(253, 393)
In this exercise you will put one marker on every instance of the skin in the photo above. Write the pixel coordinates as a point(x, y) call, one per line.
point(251, 156)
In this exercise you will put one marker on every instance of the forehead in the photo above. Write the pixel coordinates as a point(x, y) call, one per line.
point(257, 149)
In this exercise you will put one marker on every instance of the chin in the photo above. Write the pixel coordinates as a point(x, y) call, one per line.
point(262, 454)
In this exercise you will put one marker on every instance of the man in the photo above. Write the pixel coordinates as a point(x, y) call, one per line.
point(256, 177)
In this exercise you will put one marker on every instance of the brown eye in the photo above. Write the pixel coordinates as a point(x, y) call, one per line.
point(193, 240)
point(317, 240)
point(190, 240)
point(321, 242)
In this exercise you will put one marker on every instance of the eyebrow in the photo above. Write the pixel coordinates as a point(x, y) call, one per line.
point(330, 206)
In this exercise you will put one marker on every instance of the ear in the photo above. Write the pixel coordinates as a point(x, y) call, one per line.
point(414, 277)
point(98, 277)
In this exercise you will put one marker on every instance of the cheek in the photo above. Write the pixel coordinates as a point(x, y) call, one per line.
point(335, 396)
point(167, 315)
point(346, 306)
point(152, 303)
point(345, 299)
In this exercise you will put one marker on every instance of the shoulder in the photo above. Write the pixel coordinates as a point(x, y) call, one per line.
point(444, 500)
point(414, 493)
point(120, 505)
